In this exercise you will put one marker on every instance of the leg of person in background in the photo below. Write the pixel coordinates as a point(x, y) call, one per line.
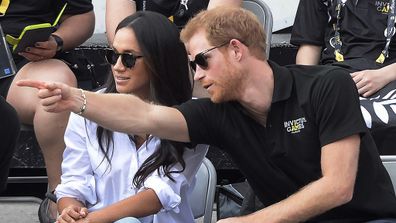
point(49, 128)
point(9, 132)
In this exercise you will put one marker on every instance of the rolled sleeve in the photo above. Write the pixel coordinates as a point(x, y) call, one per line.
point(82, 190)
point(168, 192)
point(77, 180)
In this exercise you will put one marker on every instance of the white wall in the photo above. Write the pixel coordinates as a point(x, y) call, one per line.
point(99, 8)
point(283, 12)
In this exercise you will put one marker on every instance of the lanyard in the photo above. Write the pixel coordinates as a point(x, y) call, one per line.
point(389, 32)
point(4, 6)
point(337, 38)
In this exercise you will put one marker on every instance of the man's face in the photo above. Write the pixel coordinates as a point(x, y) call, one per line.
point(220, 77)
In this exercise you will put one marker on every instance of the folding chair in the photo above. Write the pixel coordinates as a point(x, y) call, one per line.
point(263, 13)
point(202, 198)
point(389, 162)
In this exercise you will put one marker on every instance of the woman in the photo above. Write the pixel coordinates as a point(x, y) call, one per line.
point(108, 175)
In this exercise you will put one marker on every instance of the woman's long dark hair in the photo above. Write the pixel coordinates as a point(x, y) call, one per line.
point(166, 60)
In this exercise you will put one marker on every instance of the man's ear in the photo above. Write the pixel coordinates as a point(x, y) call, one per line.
point(236, 49)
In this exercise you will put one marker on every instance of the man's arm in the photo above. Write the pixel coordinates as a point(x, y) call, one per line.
point(308, 54)
point(117, 112)
point(339, 167)
point(215, 3)
point(116, 11)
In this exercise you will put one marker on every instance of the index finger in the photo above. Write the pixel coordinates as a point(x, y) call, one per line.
point(32, 83)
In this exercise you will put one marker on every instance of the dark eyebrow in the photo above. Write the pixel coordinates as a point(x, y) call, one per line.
point(126, 51)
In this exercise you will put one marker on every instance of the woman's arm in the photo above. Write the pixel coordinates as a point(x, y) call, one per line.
point(77, 180)
point(141, 204)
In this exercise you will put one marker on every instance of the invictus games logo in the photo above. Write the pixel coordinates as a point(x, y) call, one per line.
point(295, 126)
point(382, 6)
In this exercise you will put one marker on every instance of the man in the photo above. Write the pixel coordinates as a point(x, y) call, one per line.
point(282, 126)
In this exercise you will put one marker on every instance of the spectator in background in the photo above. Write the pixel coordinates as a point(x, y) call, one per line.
point(9, 131)
point(45, 61)
point(179, 10)
point(357, 35)
point(138, 175)
point(295, 132)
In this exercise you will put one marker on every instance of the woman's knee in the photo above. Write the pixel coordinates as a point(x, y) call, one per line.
point(128, 220)
point(47, 70)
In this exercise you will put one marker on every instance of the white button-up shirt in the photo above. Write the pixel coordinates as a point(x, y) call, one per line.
point(88, 177)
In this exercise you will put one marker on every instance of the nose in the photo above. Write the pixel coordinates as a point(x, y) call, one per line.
point(118, 66)
point(199, 74)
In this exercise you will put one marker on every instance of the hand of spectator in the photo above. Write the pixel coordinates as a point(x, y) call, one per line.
point(41, 50)
point(369, 81)
point(72, 214)
point(55, 97)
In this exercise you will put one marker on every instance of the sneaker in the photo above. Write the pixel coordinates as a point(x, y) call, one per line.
point(44, 213)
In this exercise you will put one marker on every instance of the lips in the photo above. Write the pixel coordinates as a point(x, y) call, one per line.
point(206, 86)
point(122, 78)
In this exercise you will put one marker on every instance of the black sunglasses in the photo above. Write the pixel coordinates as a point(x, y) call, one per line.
point(201, 60)
point(127, 59)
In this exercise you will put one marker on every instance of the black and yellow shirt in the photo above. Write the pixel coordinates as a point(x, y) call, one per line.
point(362, 25)
point(172, 8)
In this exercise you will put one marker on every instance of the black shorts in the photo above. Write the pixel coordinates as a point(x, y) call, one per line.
point(5, 83)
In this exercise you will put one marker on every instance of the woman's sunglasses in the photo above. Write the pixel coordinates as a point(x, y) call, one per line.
point(127, 59)
point(201, 60)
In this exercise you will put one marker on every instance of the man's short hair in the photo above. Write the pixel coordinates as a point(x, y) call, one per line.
point(222, 24)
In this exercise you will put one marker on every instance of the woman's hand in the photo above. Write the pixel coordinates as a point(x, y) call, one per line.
point(72, 214)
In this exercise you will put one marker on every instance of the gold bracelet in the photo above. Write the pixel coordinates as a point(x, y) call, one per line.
point(84, 105)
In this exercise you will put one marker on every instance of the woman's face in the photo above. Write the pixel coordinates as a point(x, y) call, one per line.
point(133, 80)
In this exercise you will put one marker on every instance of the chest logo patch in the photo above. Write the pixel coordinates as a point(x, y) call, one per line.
point(382, 7)
point(295, 126)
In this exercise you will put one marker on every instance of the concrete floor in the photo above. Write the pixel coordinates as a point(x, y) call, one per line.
point(24, 210)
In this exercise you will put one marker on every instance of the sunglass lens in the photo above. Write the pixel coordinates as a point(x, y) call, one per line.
point(193, 65)
point(201, 61)
point(128, 60)
point(111, 57)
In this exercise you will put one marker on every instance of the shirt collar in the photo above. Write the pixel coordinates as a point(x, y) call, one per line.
point(283, 82)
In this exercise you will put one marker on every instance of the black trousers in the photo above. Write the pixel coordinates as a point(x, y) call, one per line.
point(9, 132)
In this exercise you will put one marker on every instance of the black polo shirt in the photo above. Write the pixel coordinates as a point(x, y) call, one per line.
point(362, 28)
point(173, 8)
point(312, 106)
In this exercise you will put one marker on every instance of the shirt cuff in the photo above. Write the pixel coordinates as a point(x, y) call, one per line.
point(81, 191)
point(167, 196)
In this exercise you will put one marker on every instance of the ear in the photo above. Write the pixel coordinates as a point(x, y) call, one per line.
point(237, 49)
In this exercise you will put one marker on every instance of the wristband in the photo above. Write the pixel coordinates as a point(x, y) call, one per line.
point(84, 105)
